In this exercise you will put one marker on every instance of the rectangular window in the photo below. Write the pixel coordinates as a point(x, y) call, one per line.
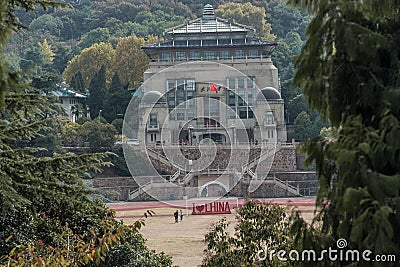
point(251, 113)
point(153, 120)
point(250, 97)
point(224, 41)
point(170, 85)
point(269, 118)
point(231, 83)
point(224, 54)
point(238, 54)
point(166, 56)
point(180, 114)
point(190, 85)
point(242, 98)
point(194, 55)
point(209, 42)
point(209, 55)
point(180, 43)
point(253, 54)
point(242, 112)
point(241, 83)
point(231, 98)
point(180, 56)
point(238, 41)
point(194, 42)
point(180, 85)
point(171, 98)
point(180, 97)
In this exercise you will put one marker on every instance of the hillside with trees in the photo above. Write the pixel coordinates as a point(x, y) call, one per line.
point(74, 41)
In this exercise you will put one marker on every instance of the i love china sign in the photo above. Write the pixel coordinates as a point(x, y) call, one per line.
point(217, 207)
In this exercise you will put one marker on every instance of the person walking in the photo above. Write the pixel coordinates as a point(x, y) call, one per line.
point(176, 214)
point(181, 213)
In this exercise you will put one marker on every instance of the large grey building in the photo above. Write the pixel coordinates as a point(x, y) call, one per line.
point(211, 78)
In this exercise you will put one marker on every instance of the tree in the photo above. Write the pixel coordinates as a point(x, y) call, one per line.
point(247, 14)
point(97, 92)
point(349, 70)
point(47, 52)
point(130, 60)
point(98, 134)
point(97, 35)
point(47, 215)
point(302, 126)
point(33, 58)
point(89, 62)
point(47, 24)
point(77, 83)
point(116, 101)
point(260, 227)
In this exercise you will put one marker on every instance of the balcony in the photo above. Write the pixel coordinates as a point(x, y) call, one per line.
point(153, 128)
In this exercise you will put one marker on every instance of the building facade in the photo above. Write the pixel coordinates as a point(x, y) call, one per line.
point(211, 79)
point(74, 103)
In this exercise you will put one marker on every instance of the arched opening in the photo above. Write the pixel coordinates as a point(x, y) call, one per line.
point(213, 189)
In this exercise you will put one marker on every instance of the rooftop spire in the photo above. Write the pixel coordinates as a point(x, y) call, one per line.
point(208, 12)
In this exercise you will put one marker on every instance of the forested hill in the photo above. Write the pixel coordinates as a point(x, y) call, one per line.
point(61, 41)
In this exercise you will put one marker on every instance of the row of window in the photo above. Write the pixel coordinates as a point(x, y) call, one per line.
point(209, 55)
point(182, 114)
point(182, 93)
point(213, 110)
point(213, 42)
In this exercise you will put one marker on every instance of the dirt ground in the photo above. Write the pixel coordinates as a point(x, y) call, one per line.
point(184, 241)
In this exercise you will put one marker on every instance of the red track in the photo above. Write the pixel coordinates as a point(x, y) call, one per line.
point(124, 206)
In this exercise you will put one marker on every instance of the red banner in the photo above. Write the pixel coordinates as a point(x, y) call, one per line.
point(211, 208)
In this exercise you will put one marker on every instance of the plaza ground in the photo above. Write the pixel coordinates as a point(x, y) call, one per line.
point(184, 241)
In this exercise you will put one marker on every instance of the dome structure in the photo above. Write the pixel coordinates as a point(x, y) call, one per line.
point(269, 93)
point(152, 97)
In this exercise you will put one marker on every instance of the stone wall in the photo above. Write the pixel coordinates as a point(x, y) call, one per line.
point(307, 181)
point(287, 166)
point(114, 188)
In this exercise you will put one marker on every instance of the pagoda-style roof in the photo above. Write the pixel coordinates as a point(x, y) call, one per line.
point(209, 27)
point(209, 23)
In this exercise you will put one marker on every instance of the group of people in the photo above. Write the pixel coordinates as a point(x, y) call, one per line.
point(177, 214)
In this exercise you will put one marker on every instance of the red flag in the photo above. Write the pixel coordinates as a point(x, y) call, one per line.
point(213, 88)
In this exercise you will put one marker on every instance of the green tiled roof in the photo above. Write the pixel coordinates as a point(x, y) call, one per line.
point(208, 23)
point(216, 25)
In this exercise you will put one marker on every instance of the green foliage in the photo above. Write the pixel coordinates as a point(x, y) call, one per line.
point(47, 24)
point(90, 61)
point(302, 126)
point(349, 70)
point(77, 82)
point(259, 227)
point(97, 92)
point(47, 216)
point(109, 243)
point(247, 14)
point(95, 133)
point(116, 101)
point(119, 162)
point(99, 35)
